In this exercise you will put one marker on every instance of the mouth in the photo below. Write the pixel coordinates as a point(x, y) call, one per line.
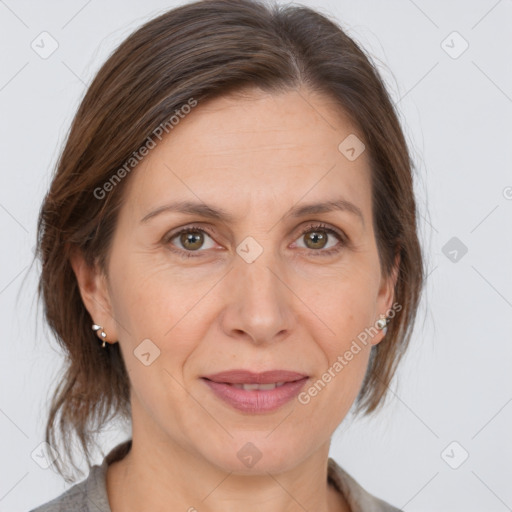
point(247, 377)
point(253, 387)
point(256, 393)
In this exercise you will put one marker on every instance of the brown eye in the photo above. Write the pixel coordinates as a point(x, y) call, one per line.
point(190, 240)
point(315, 239)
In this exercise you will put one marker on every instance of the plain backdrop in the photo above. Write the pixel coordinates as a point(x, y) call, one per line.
point(443, 441)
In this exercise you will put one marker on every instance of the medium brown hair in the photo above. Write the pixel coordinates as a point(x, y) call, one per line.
point(204, 50)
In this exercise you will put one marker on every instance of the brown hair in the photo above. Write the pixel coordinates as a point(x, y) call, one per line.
point(203, 50)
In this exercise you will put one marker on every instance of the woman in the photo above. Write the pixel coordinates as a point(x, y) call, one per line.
point(230, 261)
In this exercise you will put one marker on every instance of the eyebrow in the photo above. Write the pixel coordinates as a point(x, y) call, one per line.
point(203, 210)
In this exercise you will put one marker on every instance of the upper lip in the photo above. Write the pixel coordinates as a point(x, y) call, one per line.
point(248, 377)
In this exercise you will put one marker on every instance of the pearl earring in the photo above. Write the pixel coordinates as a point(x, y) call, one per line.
point(103, 334)
point(382, 323)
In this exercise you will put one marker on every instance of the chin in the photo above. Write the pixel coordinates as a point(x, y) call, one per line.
point(256, 454)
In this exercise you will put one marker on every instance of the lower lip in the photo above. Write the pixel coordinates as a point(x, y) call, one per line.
point(257, 401)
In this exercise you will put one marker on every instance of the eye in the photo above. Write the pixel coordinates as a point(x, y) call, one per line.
point(316, 238)
point(191, 239)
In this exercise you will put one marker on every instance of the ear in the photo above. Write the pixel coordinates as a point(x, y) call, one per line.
point(386, 295)
point(92, 283)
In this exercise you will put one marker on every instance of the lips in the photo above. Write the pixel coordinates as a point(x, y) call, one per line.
point(239, 377)
point(256, 393)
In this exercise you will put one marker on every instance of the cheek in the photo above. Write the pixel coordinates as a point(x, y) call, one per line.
point(344, 303)
point(158, 328)
point(152, 301)
point(149, 297)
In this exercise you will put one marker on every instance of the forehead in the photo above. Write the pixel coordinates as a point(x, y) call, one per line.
point(254, 150)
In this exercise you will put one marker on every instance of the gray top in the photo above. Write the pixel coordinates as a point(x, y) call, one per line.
point(90, 495)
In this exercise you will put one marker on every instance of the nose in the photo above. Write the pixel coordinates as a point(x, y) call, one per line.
point(259, 304)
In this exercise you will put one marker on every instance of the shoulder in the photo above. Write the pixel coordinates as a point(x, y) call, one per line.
point(89, 495)
point(72, 499)
point(81, 497)
point(358, 498)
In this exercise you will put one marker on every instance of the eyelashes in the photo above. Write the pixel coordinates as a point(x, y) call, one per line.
point(318, 228)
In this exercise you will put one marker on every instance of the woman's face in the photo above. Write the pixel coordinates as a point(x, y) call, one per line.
point(253, 287)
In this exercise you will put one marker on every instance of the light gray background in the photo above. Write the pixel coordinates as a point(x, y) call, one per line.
point(455, 383)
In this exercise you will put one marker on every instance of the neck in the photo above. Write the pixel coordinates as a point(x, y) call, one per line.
point(160, 477)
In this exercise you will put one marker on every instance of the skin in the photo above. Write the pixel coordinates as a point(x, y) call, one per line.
point(255, 155)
